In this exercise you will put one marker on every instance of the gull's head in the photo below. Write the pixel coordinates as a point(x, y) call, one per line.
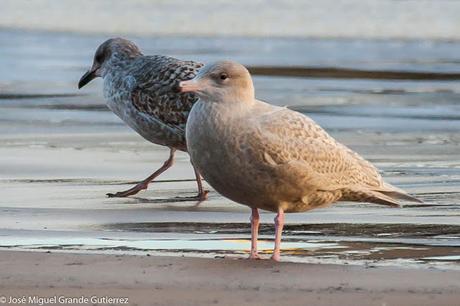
point(223, 81)
point(113, 48)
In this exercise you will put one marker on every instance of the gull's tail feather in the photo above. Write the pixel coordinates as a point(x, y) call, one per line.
point(370, 196)
point(401, 196)
point(397, 193)
point(387, 195)
point(379, 198)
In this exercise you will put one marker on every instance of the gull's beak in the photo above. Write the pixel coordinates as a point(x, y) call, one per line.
point(189, 86)
point(87, 77)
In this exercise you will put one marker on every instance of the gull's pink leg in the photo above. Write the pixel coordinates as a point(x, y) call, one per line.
point(144, 184)
point(254, 233)
point(202, 194)
point(279, 223)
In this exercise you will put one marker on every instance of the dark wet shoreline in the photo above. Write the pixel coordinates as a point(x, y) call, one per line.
point(323, 229)
point(343, 73)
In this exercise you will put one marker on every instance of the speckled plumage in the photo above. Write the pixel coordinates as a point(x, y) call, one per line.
point(141, 91)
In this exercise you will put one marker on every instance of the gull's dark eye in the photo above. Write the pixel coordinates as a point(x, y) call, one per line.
point(223, 76)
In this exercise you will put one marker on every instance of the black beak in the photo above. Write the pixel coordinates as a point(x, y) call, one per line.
point(86, 78)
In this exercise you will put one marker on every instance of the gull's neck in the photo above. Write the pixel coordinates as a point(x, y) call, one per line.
point(228, 106)
point(233, 96)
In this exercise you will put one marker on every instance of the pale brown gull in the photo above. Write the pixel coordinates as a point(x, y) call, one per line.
point(269, 157)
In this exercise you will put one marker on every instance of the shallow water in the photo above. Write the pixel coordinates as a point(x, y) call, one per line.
point(61, 150)
point(393, 244)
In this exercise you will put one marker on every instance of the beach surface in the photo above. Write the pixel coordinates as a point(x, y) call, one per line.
point(142, 280)
point(62, 150)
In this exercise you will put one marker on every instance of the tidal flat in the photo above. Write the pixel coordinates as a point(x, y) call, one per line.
point(62, 150)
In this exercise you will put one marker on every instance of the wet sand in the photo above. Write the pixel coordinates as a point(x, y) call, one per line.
point(196, 281)
point(54, 190)
point(61, 151)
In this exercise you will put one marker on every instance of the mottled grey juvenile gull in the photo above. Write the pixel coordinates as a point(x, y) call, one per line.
point(140, 90)
point(270, 157)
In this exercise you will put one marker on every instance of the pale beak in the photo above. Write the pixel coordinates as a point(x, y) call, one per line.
point(189, 86)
